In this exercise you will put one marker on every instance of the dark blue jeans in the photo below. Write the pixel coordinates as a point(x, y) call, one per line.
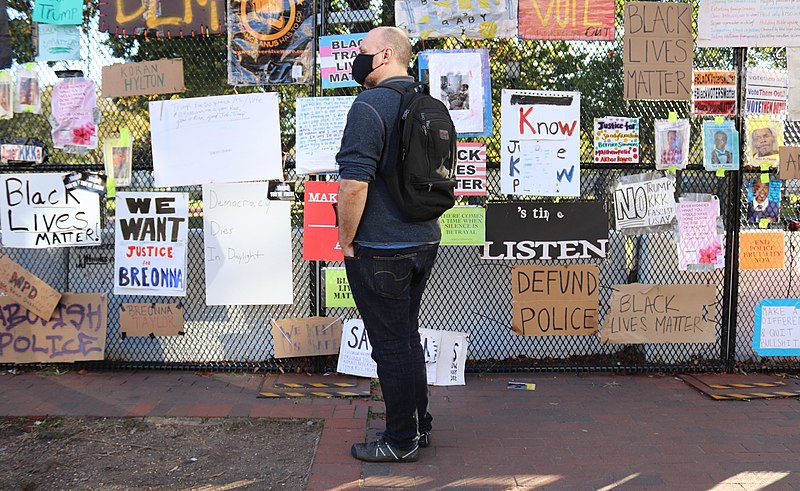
point(387, 286)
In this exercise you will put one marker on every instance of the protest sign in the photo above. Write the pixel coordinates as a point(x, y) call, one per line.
point(463, 225)
point(73, 106)
point(451, 360)
point(320, 223)
point(540, 143)
point(38, 211)
point(777, 327)
point(61, 12)
point(355, 351)
point(58, 43)
point(672, 144)
point(616, 140)
point(143, 78)
point(21, 153)
point(554, 300)
point(471, 169)
point(481, 20)
point(131, 17)
point(747, 23)
point(227, 138)
point(761, 250)
point(644, 314)
point(714, 92)
point(699, 241)
point(561, 230)
point(764, 136)
point(789, 165)
point(307, 336)
point(247, 245)
point(21, 286)
point(76, 331)
point(720, 145)
point(658, 51)
point(151, 319)
point(644, 203)
point(320, 125)
point(337, 289)
point(336, 55)
point(588, 20)
point(793, 84)
point(763, 200)
point(767, 92)
point(150, 235)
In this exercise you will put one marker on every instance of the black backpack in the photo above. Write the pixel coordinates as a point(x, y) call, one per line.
point(423, 185)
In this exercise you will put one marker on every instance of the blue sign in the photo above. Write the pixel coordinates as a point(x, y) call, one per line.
point(777, 327)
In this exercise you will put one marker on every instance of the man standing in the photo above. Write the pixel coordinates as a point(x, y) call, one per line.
point(388, 260)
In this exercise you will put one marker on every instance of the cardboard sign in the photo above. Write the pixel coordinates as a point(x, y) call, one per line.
point(337, 289)
point(546, 231)
point(554, 300)
point(320, 223)
point(130, 17)
point(463, 225)
point(643, 314)
point(761, 250)
point(355, 351)
point(588, 20)
point(75, 332)
point(789, 164)
point(27, 290)
point(151, 319)
point(308, 336)
point(143, 78)
point(777, 327)
point(658, 51)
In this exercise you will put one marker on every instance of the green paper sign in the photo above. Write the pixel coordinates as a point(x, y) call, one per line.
point(463, 225)
point(337, 289)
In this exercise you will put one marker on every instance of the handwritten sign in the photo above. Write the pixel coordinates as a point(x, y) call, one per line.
point(308, 336)
point(27, 290)
point(143, 78)
point(658, 51)
point(151, 319)
point(471, 169)
point(336, 55)
point(227, 138)
point(73, 108)
point(75, 332)
point(320, 224)
point(337, 289)
point(747, 23)
point(62, 12)
point(616, 140)
point(793, 84)
point(767, 92)
point(777, 327)
point(761, 250)
point(588, 20)
point(248, 245)
point(714, 92)
point(554, 300)
point(540, 135)
point(445, 356)
point(789, 165)
point(355, 351)
point(320, 125)
point(131, 17)
point(151, 231)
point(58, 43)
point(700, 244)
point(424, 19)
point(644, 204)
point(38, 211)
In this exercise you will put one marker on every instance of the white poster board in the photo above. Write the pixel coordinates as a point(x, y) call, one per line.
point(748, 23)
point(644, 203)
point(793, 83)
point(320, 124)
point(151, 231)
point(452, 359)
point(248, 245)
point(766, 92)
point(456, 79)
point(356, 351)
point(38, 212)
point(540, 154)
point(216, 139)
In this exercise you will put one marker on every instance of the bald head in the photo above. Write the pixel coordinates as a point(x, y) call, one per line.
point(395, 38)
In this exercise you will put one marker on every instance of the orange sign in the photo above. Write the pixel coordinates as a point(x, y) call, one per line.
point(576, 20)
point(761, 250)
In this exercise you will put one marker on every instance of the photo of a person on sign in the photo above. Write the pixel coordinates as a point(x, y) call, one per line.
point(764, 201)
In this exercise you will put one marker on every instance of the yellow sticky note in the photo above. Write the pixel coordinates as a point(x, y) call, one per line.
point(765, 178)
point(765, 167)
point(673, 117)
point(672, 168)
point(763, 223)
point(111, 189)
point(719, 120)
point(720, 172)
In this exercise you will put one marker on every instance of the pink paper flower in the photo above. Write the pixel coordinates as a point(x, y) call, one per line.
point(83, 135)
point(708, 255)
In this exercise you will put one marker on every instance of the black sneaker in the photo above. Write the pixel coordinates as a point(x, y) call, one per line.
point(424, 440)
point(381, 451)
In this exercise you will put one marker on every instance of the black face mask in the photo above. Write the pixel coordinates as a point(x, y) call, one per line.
point(362, 67)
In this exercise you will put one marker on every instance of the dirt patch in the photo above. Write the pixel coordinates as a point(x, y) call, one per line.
point(156, 453)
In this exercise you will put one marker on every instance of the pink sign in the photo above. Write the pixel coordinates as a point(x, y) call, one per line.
point(74, 102)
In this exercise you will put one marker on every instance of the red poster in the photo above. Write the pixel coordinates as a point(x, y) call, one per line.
point(320, 230)
point(567, 20)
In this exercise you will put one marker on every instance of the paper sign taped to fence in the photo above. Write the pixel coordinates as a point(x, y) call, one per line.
point(337, 289)
point(747, 23)
point(75, 332)
point(355, 351)
point(714, 92)
point(463, 225)
point(554, 300)
point(475, 20)
point(58, 42)
point(306, 336)
point(61, 12)
point(762, 250)
point(616, 140)
point(134, 17)
point(588, 20)
point(776, 329)
point(767, 92)
point(452, 359)
point(320, 222)
point(143, 78)
point(471, 169)
point(644, 203)
point(789, 165)
point(336, 55)
point(27, 290)
point(319, 129)
point(643, 314)
point(151, 319)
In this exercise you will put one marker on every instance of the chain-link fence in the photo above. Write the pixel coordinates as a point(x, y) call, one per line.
point(465, 293)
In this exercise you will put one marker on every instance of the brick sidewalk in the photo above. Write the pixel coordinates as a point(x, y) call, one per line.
point(572, 432)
